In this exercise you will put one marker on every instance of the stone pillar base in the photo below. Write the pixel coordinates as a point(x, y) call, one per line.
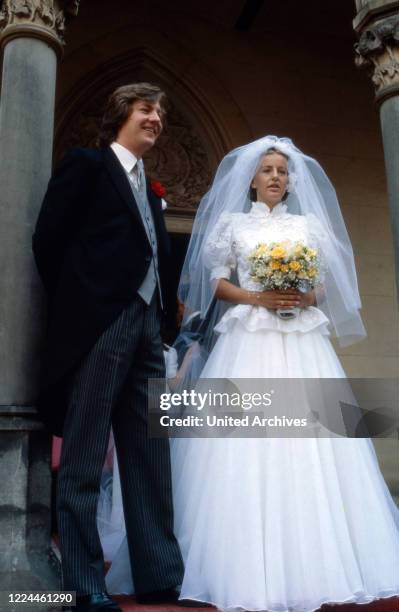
point(22, 571)
point(27, 560)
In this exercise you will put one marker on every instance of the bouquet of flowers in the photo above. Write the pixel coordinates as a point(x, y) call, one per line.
point(285, 265)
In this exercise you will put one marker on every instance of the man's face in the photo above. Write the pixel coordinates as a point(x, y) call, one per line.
point(141, 130)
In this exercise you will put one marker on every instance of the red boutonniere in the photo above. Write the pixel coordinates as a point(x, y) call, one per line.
point(158, 189)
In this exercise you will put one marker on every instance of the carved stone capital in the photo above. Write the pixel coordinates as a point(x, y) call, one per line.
point(378, 48)
point(43, 19)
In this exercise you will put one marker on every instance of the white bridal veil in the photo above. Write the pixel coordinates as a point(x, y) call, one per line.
point(310, 193)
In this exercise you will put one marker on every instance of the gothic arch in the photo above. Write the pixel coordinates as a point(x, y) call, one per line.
point(197, 136)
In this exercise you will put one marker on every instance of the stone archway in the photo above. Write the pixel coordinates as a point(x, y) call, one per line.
point(187, 153)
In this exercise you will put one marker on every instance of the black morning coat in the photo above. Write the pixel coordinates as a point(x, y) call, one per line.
point(92, 253)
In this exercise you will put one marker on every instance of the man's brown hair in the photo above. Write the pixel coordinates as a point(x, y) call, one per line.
point(119, 107)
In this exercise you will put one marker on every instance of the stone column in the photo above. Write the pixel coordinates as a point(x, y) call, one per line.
point(31, 37)
point(377, 25)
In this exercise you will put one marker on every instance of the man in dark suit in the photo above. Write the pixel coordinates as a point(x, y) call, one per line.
point(101, 249)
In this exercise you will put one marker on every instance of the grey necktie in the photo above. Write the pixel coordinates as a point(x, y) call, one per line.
point(135, 176)
point(138, 177)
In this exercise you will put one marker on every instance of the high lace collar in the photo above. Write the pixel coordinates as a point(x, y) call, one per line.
point(261, 209)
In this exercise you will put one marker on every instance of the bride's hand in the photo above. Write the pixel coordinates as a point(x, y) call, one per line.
point(307, 299)
point(274, 299)
point(288, 298)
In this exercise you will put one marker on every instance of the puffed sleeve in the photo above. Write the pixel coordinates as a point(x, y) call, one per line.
point(219, 256)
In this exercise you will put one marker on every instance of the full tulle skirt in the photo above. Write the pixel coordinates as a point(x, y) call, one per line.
point(279, 524)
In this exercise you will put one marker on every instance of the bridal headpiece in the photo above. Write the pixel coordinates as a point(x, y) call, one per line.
point(310, 193)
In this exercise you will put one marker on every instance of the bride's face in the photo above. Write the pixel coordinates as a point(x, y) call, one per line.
point(271, 179)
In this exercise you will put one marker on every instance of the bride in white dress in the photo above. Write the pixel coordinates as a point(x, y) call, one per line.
point(275, 524)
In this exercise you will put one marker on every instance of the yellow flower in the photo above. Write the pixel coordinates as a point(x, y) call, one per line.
point(298, 249)
point(312, 272)
point(312, 252)
point(276, 265)
point(277, 252)
point(295, 265)
point(261, 250)
point(285, 268)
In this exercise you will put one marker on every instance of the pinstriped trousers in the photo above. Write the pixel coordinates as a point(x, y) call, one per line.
point(110, 388)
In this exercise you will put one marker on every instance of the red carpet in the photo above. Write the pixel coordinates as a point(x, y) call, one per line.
point(385, 605)
point(128, 604)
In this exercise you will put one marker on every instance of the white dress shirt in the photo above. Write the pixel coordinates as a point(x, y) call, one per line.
point(129, 163)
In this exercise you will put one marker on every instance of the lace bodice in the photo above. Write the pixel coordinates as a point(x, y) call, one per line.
point(233, 239)
point(236, 235)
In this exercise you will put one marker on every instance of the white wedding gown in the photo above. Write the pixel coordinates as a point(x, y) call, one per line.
point(267, 523)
